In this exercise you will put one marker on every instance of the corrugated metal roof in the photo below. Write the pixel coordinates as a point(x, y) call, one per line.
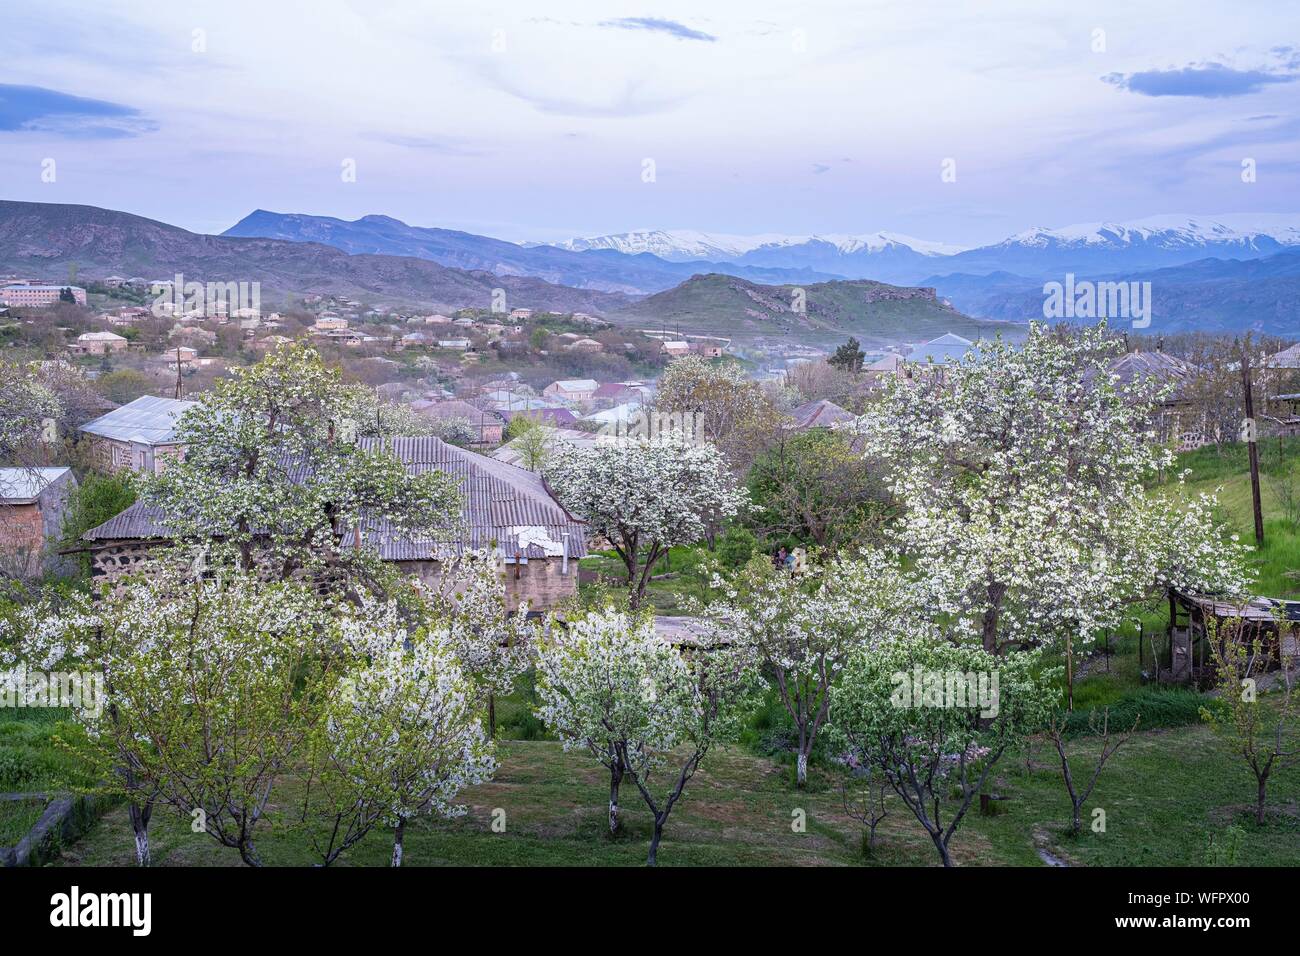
point(149, 419)
point(821, 413)
point(501, 504)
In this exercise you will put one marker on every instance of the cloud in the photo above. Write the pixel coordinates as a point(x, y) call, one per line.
point(445, 145)
point(659, 25)
point(36, 109)
point(819, 168)
point(1209, 81)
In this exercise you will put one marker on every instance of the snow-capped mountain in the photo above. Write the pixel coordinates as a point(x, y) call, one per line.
point(681, 245)
point(887, 256)
point(1150, 243)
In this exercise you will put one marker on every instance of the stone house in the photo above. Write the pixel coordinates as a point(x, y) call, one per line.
point(32, 505)
point(138, 436)
point(503, 507)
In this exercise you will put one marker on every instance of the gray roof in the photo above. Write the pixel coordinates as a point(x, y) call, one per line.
point(501, 504)
point(821, 413)
point(1160, 367)
point(21, 486)
point(947, 347)
point(1287, 358)
point(148, 419)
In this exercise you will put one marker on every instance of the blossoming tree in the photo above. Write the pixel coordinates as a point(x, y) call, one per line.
point(402, 733)
point(644, 496)
point(801, 628)
point(1022, 474)
point(211, 685)
point(271, 469)
point(907, 709)
point(491, 640)
point(610, 685)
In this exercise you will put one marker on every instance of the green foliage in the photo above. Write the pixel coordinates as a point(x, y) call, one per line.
point(736, 546)
point(93, 502)
point(849, 356)
point(1158, 707)
point(124, 385)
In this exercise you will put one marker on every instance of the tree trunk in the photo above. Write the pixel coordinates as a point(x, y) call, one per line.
point(801, 768)
point(399, 832)
point(140, 825)
point(942, 848)
point(1078, 820)
point(615, 780)
point(492, 717)
point(1259, 804)
point(653, 859)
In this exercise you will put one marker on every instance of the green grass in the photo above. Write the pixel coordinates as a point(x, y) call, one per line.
point(31, 761)
point(17, 817)
point(1166, 794)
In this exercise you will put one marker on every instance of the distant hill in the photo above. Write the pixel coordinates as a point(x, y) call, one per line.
point(46, 240)
point(876, 313)
point(1213, 295)
point(605, 269)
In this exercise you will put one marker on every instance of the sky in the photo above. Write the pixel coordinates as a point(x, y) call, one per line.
point(958, 122)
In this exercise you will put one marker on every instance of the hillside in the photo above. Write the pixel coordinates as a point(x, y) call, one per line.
point(1214, 295)
point(876, 313)
point(49, 241)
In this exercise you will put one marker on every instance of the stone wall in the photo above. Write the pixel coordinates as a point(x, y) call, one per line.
point(539, 581)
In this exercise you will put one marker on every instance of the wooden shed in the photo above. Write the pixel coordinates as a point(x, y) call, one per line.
point(1188, 657)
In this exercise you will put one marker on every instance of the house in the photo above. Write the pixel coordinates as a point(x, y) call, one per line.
point(676, 349)
point(38, 296)
point(139, 436)
point(487, 425)
point(461, 345)
point(512, 452)
point(585, 345)
point(272, 342)
point(1177, 419)
point(1286, 359)
point(504, 508)
point(621, 392)
point(98, 343)
point(328, 322)
point(32, 503)
point(521, 315)
point(556, 417)
point(819, 414)
point(623, 414)
point(181, 355)
point(946, 348)
point(892, 365)
point(572, 389)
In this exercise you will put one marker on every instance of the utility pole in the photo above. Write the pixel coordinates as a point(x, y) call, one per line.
point(179, 387)
point(1252, 444)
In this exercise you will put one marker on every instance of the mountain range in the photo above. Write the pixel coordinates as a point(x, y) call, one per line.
point(1150, 243)
point(603, 269)
point(53, 241)
point(1223, 272)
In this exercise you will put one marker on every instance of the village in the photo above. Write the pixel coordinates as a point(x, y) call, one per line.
point(558, 505)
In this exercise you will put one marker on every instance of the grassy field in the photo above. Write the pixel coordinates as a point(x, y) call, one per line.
point(1168, 795)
